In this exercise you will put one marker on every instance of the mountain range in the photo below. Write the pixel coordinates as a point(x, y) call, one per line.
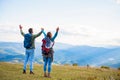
point(64, 54)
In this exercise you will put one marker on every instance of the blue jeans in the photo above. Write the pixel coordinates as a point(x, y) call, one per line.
point(29, 55)
point(47, 61)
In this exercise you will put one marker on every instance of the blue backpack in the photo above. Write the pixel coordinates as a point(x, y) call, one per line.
point(27, 40)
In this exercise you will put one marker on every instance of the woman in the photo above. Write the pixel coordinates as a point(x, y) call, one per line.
point(47, 51)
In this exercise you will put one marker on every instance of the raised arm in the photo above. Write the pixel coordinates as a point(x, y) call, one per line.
point(37, 35)
point(55, 35)
point(22, 33)
point(44, 33)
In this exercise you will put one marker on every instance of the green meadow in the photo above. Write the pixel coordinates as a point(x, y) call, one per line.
point(10, 71)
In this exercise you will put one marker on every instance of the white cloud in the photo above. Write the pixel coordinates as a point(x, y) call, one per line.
point(118, 1)
point(89, 35)
point(8, 29)
point(75, 34)
point(12, 33)
point(111, 59)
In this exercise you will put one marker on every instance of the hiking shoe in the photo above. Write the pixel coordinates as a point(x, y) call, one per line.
point(49, 75)
point(45, 75)
point(31, 72)
point(24, 71)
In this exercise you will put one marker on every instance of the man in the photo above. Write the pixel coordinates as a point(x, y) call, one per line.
point(29, 54)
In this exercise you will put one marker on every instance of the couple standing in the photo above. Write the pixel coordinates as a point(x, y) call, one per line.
point(47, 53)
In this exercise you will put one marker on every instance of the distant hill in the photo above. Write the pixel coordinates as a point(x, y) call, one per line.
point(64, 54)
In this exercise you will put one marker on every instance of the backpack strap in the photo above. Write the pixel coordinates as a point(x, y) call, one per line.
point(53, 44)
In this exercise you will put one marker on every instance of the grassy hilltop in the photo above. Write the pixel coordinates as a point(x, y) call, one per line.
point(10, 71)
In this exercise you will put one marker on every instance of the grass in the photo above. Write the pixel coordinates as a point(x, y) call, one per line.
point(9, 71)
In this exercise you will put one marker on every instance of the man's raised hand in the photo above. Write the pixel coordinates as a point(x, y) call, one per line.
point(20, 26)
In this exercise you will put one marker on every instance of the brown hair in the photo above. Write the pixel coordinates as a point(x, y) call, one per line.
point(49, 34)
point(30, 30)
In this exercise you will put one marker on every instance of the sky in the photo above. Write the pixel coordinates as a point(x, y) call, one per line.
point(81, 22)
